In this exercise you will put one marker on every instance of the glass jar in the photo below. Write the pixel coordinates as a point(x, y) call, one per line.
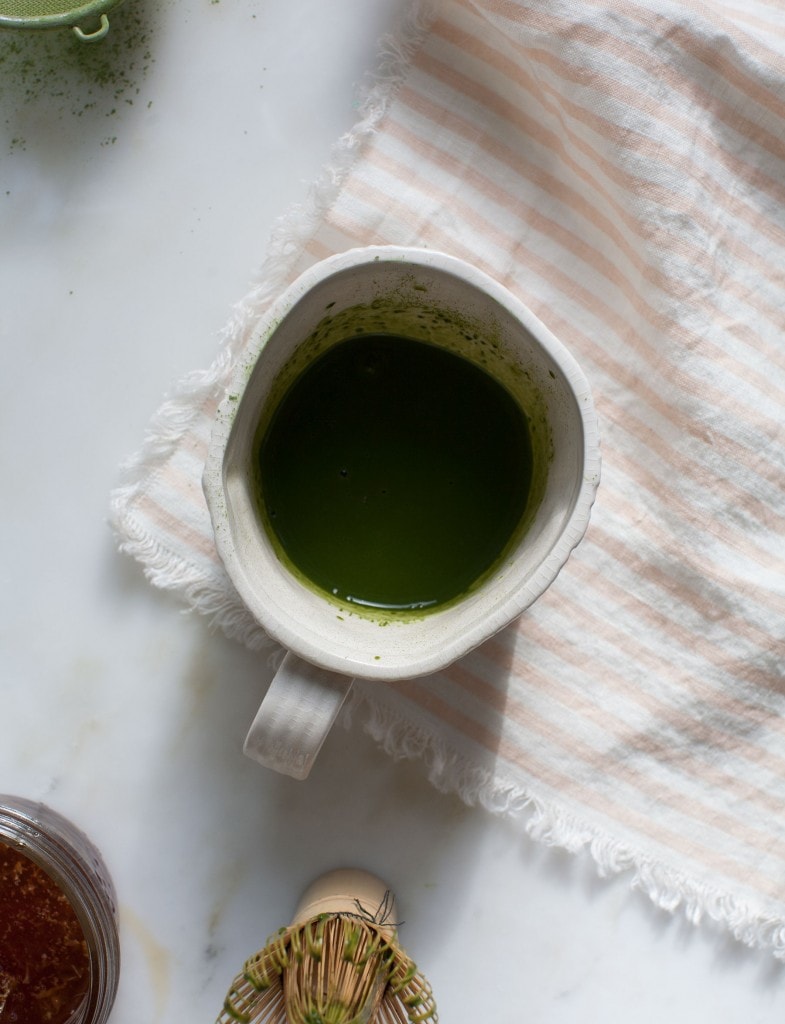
point(73, 863)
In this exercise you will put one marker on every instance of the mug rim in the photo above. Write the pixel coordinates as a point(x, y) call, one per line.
point(293, 636)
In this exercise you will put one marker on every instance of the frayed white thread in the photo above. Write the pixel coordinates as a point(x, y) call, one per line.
point(208, 592)
point(545, 822)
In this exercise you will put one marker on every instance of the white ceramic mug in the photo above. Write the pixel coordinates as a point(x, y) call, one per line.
point(433, 297)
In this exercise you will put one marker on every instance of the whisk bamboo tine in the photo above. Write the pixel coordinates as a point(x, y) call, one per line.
point(246, 1005)
point(392, 1013)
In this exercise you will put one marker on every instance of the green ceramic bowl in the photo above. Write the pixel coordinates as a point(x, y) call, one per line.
point(89, 20)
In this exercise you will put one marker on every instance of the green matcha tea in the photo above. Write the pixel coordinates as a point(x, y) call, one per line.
point(393, 474)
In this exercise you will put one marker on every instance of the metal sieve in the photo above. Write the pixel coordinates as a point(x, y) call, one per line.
point(89, 19)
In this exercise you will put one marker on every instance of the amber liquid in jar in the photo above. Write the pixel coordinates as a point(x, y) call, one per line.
point(59, 942)
point(44, 962)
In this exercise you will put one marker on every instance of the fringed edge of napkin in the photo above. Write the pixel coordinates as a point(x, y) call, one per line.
point(214, 597)
point(545, 822)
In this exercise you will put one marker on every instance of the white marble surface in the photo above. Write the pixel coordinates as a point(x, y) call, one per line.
point(132, 214)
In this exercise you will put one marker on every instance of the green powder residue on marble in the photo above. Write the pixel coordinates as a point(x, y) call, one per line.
point(50, 79)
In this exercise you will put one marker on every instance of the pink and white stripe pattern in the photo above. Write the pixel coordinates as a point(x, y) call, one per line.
point(620, 165)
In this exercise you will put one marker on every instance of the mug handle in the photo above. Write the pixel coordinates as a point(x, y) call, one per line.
point(295, 716)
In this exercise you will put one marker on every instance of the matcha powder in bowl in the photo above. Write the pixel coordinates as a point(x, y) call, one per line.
point(90, 21)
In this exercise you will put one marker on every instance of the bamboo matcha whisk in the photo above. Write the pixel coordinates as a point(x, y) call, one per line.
point(339, 962)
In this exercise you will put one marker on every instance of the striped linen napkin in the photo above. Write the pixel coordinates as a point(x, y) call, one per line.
point(620, 166)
